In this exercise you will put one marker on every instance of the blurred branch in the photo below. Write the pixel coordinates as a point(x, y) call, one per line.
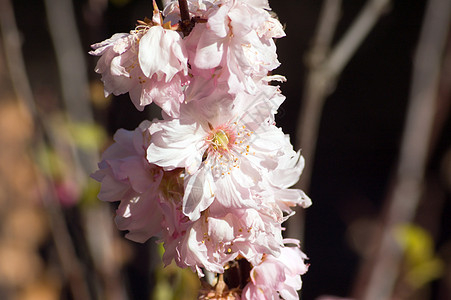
point(71, 62)
point(444, 93)
point(328, 19)
point(70, 264)
point(75, 88)
point(348, 45)
point(325, 66)
point(64, 245)
point(379, 273)
point(72, 69)
point(312, 99)
point(14, 57)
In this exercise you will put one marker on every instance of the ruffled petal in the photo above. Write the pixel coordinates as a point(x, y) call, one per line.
point(175, 145)
point(199, 193)
point(161, 53)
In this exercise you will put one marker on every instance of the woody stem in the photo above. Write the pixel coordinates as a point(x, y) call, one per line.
point(186, 23)
point(184, 12)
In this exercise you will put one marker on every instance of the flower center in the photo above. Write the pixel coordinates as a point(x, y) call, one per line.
point(220, 141)
point(226, 143)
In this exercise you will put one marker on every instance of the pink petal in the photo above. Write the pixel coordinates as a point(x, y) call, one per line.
point(199, 193)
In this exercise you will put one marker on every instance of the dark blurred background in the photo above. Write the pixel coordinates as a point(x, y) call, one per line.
point(57, 241)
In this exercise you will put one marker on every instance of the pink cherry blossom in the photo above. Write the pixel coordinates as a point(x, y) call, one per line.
point(150, 63)
point(225, 147)
point(151, 199)
point(236, 48)
point(287, 174)
point(126, 176)
point(197, 8)
point(277, 277)
point(220, 235)
point(212, 178)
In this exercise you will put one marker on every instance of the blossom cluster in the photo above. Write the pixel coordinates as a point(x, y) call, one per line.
point(212, 178)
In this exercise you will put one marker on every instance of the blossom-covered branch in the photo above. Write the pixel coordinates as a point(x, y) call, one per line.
point(212, 178)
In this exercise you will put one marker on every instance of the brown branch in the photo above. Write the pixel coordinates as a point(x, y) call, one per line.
point(184, 11)
point(187, 23)
point(379, 273)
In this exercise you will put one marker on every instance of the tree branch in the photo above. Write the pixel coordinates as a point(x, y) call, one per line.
point(379, 273)
point(72, 71)
point(186, 23)
point(312, 100)
point(14, 56)
point(184, 11)
point(354, 37)
point(325, 67)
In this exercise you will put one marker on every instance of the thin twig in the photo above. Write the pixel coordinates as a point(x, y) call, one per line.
point(326, 66)
point(348, 45)
point(379, 273)
point(328, 19)
point(324, 73)
point(312, 100)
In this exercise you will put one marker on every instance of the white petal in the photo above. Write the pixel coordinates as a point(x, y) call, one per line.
point(174, 145)
point(199, 193)
point(161, 53)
